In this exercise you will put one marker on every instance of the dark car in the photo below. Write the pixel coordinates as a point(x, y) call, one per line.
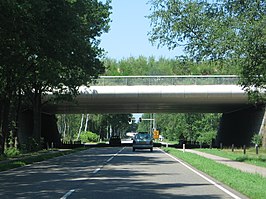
point(115, 141)
point(143, 140)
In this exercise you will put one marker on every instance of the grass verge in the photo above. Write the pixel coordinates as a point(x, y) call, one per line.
point(26, 159)
point(251, 185)
point(250, 157)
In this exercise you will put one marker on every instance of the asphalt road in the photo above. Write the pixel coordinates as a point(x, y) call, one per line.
point(111, 173)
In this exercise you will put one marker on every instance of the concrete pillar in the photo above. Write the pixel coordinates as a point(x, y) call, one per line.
point(50, 133)
point(239, 127)
point(263, 129)
point(25, 127)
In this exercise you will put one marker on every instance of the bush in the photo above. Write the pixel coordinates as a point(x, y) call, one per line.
point(12, 152)
point(89, 137)
point(32, 145)
point(257, 139)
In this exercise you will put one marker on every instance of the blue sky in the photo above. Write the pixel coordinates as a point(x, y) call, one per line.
point(128, 34)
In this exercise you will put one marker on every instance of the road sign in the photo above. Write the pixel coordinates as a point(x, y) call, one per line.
point(156, 134)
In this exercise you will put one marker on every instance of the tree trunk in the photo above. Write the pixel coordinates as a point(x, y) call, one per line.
point(65, 126)
point(86, 123)
point(81, 124)
point(4, 116)
point(37, 117)
point(2, 143)
point(15, 140)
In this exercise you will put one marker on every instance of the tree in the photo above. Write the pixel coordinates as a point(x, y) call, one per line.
point(12, 72)
point(150, 66)
point(99, 124)
point(231, 31)
point(53, 46)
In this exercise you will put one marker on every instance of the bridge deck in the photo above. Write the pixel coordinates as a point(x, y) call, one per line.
point(155, 99)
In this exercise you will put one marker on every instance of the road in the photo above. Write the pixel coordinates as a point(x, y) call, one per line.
point(111, 173)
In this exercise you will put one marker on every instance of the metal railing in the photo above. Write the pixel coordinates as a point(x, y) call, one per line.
point(166, 80)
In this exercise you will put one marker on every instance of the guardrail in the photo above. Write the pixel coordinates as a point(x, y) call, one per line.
point(166, 80)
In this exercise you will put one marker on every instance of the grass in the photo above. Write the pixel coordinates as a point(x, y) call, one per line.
point(250, 157)
point(26, 159)
point(251, 185)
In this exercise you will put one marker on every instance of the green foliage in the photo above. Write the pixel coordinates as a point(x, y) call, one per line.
point(69, 125)
point(150, 66)
point(234, 178)
point(89, 137)
point(250, 157)
point(32, 145)
point(188, 127)
point(257, 139)
point(47, 46)
point(207, 137)
point(230, 32)
point(12, 152)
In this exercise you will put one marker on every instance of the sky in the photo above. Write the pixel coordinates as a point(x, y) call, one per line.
point(127, 36)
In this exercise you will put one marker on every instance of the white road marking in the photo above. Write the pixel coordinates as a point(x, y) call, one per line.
point(68, 194)
point(115, 155)
point(204, 177)
point(109, 159)
point(96, 170)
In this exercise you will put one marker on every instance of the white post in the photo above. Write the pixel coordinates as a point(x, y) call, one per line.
point(184, 148)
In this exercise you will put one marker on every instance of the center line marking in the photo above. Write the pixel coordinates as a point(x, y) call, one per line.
point(115, 155)
point(68, 194)
point(110, 159)
point(96, 170)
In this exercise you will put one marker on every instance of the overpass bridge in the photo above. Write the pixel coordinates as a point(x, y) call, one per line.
point(157, 94)
point(163, 94)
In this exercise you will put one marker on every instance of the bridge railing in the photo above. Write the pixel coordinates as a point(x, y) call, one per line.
point(166, 80)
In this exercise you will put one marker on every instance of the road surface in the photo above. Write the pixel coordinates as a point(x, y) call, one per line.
point(111, 173)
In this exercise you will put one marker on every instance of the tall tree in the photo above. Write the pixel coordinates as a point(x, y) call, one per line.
point(12, 60)
point(55, 45)
point(232, 31)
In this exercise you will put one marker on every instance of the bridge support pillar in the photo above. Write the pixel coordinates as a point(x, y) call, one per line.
point(263, 129)
point(50, 133)
point(239, 127)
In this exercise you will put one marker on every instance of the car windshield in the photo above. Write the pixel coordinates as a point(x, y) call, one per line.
point(143, 136)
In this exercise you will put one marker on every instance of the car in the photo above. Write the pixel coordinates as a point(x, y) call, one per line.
point(115, 140)
point(143, 140)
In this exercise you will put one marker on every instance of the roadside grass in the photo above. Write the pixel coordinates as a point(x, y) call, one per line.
point(29, 158)
point(238, 155)
point(251, 185)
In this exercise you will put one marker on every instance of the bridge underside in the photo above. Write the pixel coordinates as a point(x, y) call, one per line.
point(154, 99)
point(239, 121)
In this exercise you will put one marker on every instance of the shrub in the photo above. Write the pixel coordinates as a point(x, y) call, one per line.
point(257, 139)
point(32, 145)
point(12, 152)
point(89, 137)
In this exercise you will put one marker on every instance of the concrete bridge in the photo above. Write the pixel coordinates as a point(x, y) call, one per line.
point(157, 94)
point(170, 94)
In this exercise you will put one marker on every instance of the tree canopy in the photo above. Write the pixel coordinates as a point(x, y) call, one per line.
point(232, 31)
point(48, 46)
point(150, 66)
